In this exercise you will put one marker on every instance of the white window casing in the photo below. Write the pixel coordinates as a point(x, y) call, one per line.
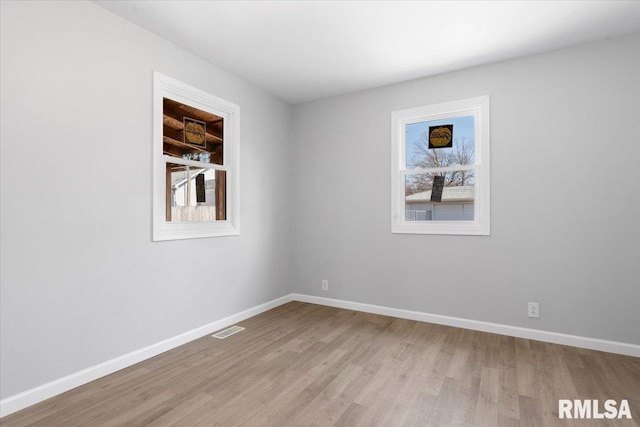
point(479, 109)
point(166, 87)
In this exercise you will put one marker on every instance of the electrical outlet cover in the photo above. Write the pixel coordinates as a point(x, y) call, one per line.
point(533, 310)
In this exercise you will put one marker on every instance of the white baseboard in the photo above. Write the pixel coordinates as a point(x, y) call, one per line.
point(30, 397)
point(38, 394)
point(513, 331)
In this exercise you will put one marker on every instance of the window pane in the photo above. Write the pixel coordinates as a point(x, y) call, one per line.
point(191, 133)
point(456, 202)
point(451, 143)
point(195, 194)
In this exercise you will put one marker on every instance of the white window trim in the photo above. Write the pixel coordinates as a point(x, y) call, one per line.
point(164, 86)
point(479, 108)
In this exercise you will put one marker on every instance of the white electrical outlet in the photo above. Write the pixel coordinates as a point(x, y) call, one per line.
point(325, 285)
point(533, 310)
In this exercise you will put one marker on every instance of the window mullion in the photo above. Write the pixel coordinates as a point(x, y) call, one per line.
point(185, 162)
point(417, 171)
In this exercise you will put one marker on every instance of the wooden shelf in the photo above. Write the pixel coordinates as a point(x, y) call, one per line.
point(181, 144)
point(178, 126)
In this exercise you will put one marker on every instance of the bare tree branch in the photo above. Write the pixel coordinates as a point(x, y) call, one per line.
point(462, 153)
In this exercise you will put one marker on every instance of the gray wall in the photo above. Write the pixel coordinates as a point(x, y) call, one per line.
point(565, 201)
point(82, 283)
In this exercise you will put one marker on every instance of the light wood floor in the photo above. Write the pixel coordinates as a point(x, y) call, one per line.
point(309, 365)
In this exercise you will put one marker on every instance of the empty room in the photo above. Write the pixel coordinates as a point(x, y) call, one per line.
point(320, 213)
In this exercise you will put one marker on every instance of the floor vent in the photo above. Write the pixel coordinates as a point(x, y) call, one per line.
point(228, 332)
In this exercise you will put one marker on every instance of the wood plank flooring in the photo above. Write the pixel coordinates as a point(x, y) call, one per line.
point(309, 365)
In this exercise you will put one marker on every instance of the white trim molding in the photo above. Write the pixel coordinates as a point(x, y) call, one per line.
point(38, 394)
point(476, 325)
point(35, 395)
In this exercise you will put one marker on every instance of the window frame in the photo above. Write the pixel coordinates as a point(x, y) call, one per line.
point(479, 108)
point(167, 87)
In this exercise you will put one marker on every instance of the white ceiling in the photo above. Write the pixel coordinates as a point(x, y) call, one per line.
point(305, 50)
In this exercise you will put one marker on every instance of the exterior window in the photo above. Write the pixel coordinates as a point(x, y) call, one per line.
point(195, 142)
point(440, 168)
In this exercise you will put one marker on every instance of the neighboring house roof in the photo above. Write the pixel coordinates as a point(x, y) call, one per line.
point(449, 194)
